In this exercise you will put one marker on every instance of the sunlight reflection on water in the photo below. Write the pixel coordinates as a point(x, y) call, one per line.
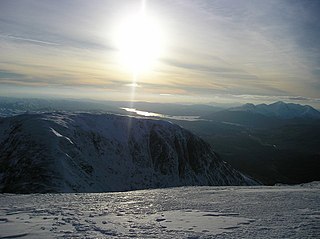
point(151, 114)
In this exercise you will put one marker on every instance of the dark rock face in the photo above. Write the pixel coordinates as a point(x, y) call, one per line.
point(20, 169)
point(61, 152)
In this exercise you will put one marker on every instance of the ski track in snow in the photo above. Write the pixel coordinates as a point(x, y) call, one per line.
point(187, 212)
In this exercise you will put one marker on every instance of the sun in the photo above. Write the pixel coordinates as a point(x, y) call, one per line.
point(139, 40)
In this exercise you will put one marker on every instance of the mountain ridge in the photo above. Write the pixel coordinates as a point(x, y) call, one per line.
point(281, 110)
point(82, 152)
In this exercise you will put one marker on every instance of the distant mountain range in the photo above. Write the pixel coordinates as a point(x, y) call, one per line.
point(265, 116)
point(82, 152)
point(275, 143)
point(280, 110)
point(272, 143)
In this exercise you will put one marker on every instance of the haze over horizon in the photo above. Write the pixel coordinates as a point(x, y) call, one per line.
point(202, 51)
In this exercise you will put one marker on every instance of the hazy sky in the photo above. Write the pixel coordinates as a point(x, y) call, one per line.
point(227, 50)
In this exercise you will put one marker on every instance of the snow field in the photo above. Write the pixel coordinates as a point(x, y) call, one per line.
point(187, 212)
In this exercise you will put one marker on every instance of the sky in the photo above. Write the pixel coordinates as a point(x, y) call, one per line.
point(211, 51)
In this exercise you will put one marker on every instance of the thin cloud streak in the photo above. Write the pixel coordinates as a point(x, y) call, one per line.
point(199, 67)
point(29, 40)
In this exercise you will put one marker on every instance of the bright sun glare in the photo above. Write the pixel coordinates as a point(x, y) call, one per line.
point(140, 42)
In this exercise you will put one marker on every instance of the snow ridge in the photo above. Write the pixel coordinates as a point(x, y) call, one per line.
point(82, 152)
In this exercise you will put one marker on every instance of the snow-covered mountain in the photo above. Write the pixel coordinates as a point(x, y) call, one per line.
point(69, 152)
point(281, 110)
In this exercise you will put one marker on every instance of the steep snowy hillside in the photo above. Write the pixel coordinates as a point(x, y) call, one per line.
point(281, 110)
point(60, 152)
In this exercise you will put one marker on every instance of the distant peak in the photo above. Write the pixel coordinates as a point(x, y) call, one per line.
point(249, 104)
point(279, 103)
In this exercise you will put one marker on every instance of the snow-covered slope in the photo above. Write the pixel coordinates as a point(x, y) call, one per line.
point(281, 110)
point(180, 213)
point(60, 152)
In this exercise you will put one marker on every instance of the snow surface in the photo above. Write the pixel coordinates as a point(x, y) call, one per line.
point(187, 212)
